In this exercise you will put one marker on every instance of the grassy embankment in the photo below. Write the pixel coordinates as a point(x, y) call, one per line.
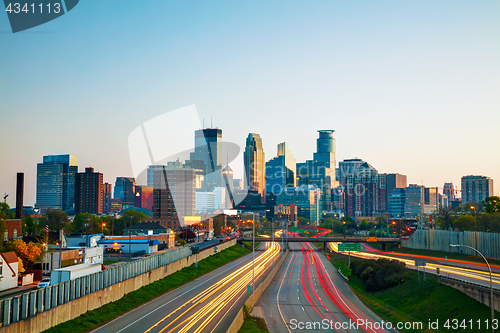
point(411, 302)
point(249, 244)
point(98, 317)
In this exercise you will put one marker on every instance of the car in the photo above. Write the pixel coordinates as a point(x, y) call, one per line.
point(45, 282)
point(227, 238)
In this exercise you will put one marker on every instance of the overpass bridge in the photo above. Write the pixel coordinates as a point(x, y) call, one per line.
point(325, 240)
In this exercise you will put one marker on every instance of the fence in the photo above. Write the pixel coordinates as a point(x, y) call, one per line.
point(439, 240)
point(31, 303)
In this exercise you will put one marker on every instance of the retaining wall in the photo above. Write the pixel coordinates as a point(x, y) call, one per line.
point(39, 310)
point(487, 243)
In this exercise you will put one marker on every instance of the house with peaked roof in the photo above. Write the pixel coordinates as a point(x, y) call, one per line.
point(8, 270)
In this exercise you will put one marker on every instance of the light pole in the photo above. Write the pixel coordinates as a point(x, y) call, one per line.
point(491, 282)
point(475, 219)
point(253, 256)
point(272, 228)
point(103, 225)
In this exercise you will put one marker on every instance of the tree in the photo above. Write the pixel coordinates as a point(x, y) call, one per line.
point(381, 219)
point(131, 217)
point(489, 222)
point(55, 219)
point(5, 212)
point(86, 223)
point(29, 226)
point(445, 218)
point(491, 204)
point(28, 252)
point(465, 223)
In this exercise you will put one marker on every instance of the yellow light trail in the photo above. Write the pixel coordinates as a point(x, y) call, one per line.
point(213, 307)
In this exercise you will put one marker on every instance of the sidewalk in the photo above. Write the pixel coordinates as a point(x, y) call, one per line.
point(18, 290)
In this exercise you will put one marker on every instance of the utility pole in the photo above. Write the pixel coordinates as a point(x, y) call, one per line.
point(253, 259)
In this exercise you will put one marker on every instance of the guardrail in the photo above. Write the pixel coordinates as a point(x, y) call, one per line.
point(31, 303)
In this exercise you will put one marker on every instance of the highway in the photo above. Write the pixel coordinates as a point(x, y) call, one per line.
point(307, 290)
point(469, 272)
point(208, 304)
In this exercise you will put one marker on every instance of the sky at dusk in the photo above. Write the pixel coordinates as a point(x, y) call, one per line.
point(408, 86)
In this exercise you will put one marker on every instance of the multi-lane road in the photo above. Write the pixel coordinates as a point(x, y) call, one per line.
point(208, 304)
point(308, 295)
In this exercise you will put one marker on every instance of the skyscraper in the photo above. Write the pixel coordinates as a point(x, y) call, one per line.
point(449, 191)
point(320, 171)
point(173, 193)
point(414, 200)
point(208, 149)
point(394, 181)
point(281, 170)
point(476, 188)
point(125, 190)
point(88, 192)
point(254, 162)
point(106, 198)
point(56, 182)
point(365, 192)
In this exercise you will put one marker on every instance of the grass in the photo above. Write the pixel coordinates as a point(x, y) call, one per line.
point(437, 254)
point(249, 244)
point(109, 262)
point(252, 324)
point(411, 302)
point(98, 317)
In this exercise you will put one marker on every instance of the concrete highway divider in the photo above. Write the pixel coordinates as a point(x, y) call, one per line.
point(240, 318)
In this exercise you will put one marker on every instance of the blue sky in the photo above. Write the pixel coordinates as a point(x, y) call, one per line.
point(410, 87)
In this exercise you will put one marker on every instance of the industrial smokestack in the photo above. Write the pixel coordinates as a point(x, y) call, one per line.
point(19, 195)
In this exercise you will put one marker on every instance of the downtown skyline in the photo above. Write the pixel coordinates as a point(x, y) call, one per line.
point(416, 93)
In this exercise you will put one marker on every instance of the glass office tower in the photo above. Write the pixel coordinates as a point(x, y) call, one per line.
point(56, 182)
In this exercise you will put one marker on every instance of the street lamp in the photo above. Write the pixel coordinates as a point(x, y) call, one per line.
point(103, 225)
point(475, 220)
point(491, 282)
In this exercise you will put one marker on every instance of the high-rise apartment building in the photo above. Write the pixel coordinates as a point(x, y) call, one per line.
point(55, 187)
point(320, 171)
point(173, 193)
point(254, 163)
point(365, 192)
point(347, 167)
point(431, 200)
point(414, 201)
point(106, 198)
point(396, 203)
point(125, 190)
point(449, 191)
point(281, 170)
point(144, 197)
point(476, 188)
point(88, 192)
point(394, 181)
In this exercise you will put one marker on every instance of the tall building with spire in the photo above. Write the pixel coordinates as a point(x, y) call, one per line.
point(254, 163)
point(206, 159)
point(320, 171)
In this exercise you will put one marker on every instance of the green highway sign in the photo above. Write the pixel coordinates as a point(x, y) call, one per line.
point(350, 247)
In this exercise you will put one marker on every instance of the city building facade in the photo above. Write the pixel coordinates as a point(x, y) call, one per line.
point(476, 188)
point(88, 192)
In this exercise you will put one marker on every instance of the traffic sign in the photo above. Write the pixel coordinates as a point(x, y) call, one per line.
point(350, 247)
point(371, 239)
point(249, 289)
point(419, 262)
